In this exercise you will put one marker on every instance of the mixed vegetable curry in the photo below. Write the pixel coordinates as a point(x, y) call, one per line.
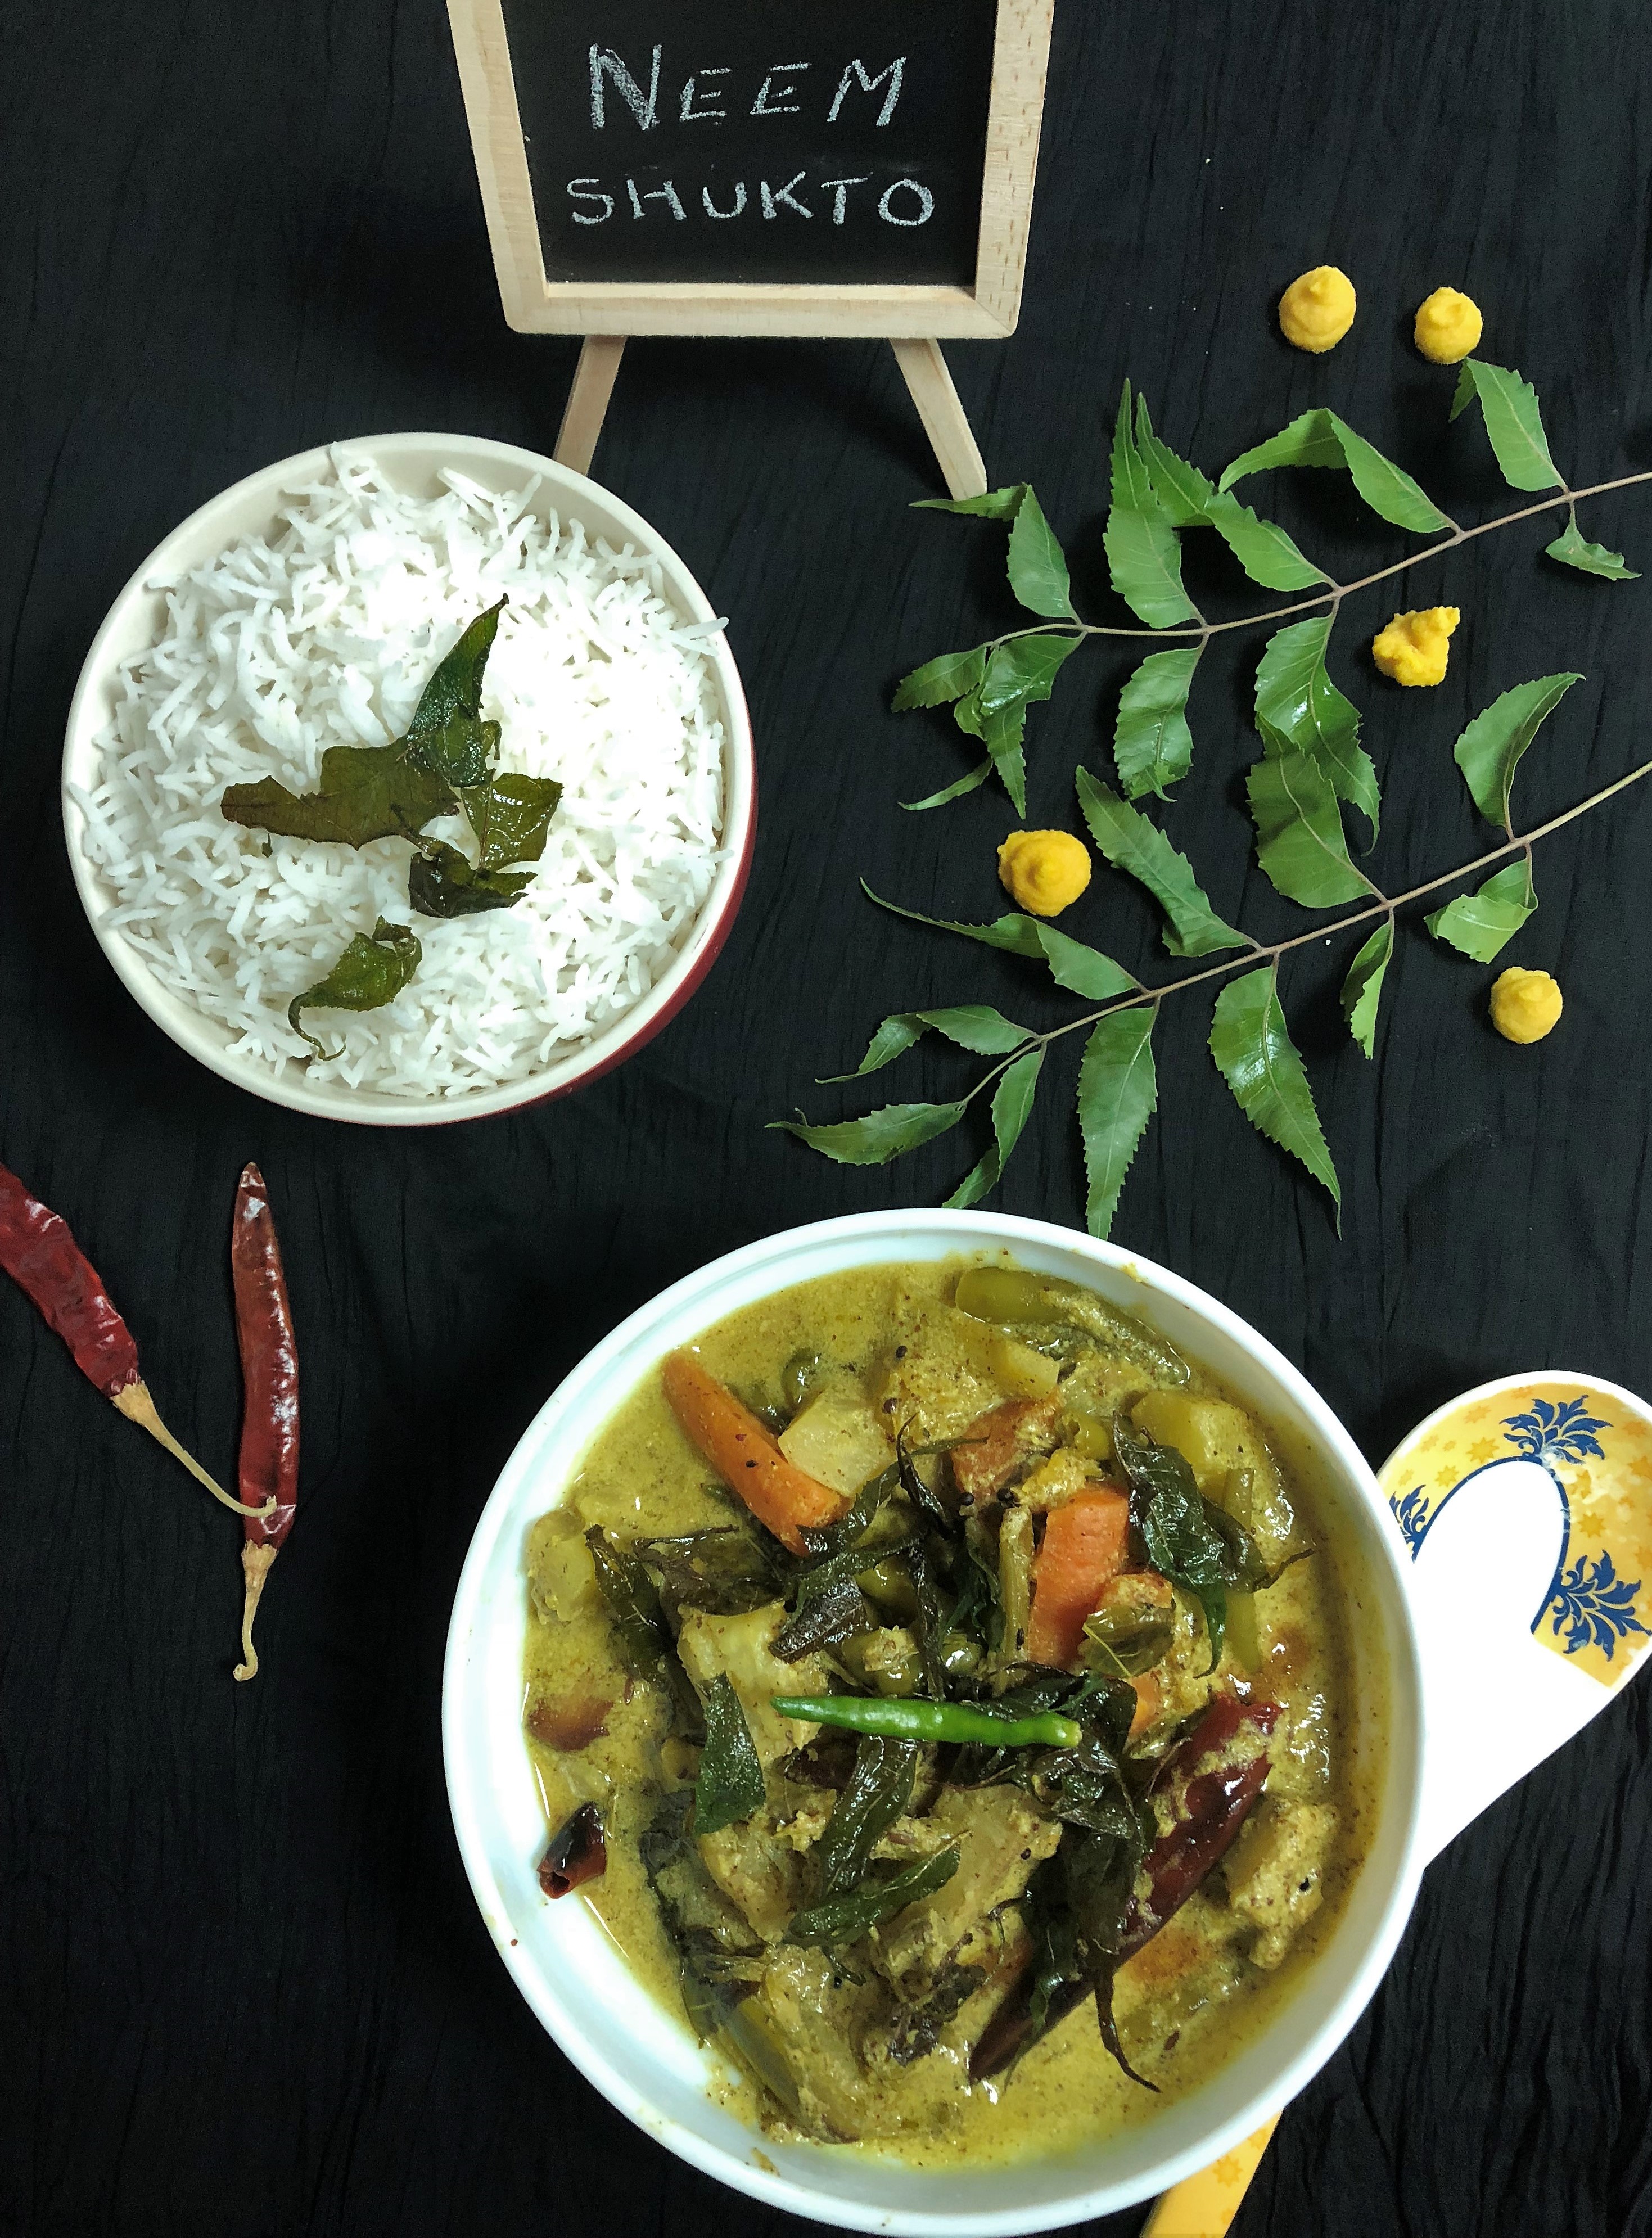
point(935, 1684)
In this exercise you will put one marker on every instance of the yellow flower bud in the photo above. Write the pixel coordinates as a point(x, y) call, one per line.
point(1317, 310)
point(1525, 1005)
point(1449, 327)
point(1044, 871)
point(1413, 649)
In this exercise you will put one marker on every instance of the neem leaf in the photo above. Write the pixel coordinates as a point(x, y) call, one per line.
point(1004, 731)
point(442, 881)
point(991, 505)
point(1021, 671)
point(461, 749)
point(1081, 970)
point(1024, 669)
point(947, 676)
point(1296, 699)
point(365, 793)
point(372, 971)
point(1012, 1106)
point(510, 816)
point(1363, 988)
point(1489, 751)
point(455, 688)
point(1152, 744)
point(1180, 488)
point(1482, 924)
point(1574, 549)
point(1038, 572)
point(972, 1025)
point(1118, 1090)
point(975, 778)
point(1131, 844)
point(1321, 439)
point(1262, 548)
point(1143, 559)
point(1301, 843)
point(879, 1790)
point(729, 1786)
point(881, 1135)
point(1257, 1058)
point(1514, 421)
point(845, 1918)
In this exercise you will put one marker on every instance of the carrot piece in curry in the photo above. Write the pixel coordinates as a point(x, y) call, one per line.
point(1085, 1543)
point(746, 1456)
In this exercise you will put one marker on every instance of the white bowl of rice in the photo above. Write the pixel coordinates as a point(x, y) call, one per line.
point(306, 608)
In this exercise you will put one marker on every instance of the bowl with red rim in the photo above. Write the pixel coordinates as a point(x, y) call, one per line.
point(413, 463)
point(645, 2061)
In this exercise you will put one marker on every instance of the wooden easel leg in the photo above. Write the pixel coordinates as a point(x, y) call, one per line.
point(593, 384)
point(942, 416)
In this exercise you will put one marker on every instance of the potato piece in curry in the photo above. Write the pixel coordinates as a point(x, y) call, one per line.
point(806, 1577)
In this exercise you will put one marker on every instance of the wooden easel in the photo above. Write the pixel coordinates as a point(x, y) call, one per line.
point(915, 318)
point(922, 364)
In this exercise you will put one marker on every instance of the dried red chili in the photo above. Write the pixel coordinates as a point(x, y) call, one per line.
point(1221, 1771)
point(577, 1852)
point(42, 1258)
point(269, 1479)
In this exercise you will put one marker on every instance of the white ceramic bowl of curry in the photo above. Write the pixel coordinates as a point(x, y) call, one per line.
point(645, 2061)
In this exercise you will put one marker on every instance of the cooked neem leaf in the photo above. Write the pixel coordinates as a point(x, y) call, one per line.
point(372, 971)
point(1183, 1542)
point(918, 2027)
point(730, 1783)
point(455, 688)
point(366, 793)
point(835, 1609)
point(510, 816)
point(443, 883)
point(1189, 1540)
point(879, 1790)
point(639, 1625)
point(724, 1571)
point(845, 1918)
point(720, 1960)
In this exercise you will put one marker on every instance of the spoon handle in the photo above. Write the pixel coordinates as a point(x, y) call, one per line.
point(1204, 2205)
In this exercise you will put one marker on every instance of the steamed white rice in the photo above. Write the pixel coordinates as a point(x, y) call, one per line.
point(326, 634)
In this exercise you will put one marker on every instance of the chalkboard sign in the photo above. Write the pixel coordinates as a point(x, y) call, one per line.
point(832, 167)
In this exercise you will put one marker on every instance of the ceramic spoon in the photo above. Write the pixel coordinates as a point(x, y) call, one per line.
point(1541, 1487)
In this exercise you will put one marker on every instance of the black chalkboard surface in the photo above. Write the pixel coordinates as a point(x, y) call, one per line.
point(834, 141)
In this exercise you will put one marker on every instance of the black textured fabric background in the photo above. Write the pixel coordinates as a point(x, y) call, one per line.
point(243, 1988)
